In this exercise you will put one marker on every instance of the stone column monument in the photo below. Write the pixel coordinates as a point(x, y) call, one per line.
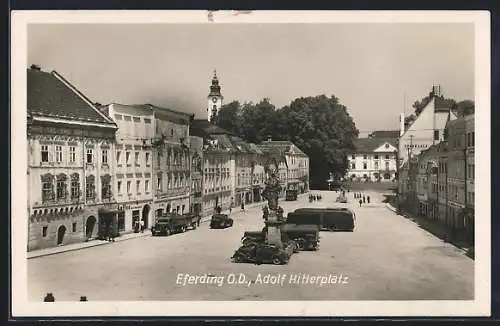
point(273, 215)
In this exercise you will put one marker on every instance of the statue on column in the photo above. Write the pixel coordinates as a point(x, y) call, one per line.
point(273, 187)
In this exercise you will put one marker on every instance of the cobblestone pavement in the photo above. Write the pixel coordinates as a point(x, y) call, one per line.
point(387, 257)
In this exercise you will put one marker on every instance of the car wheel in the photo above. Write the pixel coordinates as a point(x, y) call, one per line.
point(276, 260)
point(238, 259)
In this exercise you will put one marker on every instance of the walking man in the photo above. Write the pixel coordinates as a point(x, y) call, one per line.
point(142, 226)
point(368, 199)
point(364, 199)
point(360, 202)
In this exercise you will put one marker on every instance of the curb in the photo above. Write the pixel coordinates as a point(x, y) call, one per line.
point(92, 244)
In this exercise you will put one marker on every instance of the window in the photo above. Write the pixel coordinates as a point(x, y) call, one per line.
point(137, 120)
point(106, 186)
point(118, 116)
point(147, 121)
point(119, 187)
point(158, 177)
point(90, 187)
point(90, 155)
point(353, 166)
point(61, 186)
point(472, 138)
point(158, 159)
point(171, 132)
point(104, 157)
point(436, 134)
point(387, 157)
point(375, 157)
point(45, 153)
point(376, 165)
point(387, 165)
point(138, 186)
point(128, 186)
point(59, 154)
point(146, 186)
point(364, 156)
point(127, 158)
point(73, 227)
point(47, 187)
point(75, 186)
point(137, 158)
point(44, 231)
point(147, 159)
point(72, 154)
point(365, 166)
point(118, 157)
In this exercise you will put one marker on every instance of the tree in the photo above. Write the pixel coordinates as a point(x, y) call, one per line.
point(465, 107)
point(257, 121)
point(229, 117)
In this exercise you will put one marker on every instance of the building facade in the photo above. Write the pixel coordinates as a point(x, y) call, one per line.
point(172, 162)
point(70, 162)
point(374, 159)
point(196, 153)
point(134, 163)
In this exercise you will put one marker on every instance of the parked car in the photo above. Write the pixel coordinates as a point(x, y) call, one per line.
point(291, 195)
point(221, 221)
point(306, 235)
point(331, 219)
point(169, 223)
point(262, 253)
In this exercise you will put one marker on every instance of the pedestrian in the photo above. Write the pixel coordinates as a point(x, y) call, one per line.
point(243, 206)
point(49, 298)
point(364, 199)
point(142, 226)
point(368, 199)
point(360, 202)
point(83, 298)
point(231, 205)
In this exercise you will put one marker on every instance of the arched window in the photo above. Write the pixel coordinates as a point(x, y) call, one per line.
point(90, 187)
point(75, 186)
point(47, 187)
point(61, 186)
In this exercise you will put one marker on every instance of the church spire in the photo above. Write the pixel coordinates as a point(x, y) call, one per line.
point(214, 97)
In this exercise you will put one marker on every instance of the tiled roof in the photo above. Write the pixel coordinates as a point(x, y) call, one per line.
point(368, 145)
point(166, 113)
point(49, 95)
point(441, 105)
point(281, 146)
point(204, 128)
point(384, 134)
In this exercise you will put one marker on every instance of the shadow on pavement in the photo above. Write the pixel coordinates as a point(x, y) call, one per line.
point(434, 227)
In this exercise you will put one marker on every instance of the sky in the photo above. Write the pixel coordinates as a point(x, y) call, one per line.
point(376, 70)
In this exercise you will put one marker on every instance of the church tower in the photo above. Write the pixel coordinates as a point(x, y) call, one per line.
point(214, 98)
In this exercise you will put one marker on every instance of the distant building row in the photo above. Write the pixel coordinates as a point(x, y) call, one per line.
point(134, 162)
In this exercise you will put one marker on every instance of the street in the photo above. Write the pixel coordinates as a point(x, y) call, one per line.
point(387, 257)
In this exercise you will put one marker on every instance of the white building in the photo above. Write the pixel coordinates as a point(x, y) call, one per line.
point(374, 159)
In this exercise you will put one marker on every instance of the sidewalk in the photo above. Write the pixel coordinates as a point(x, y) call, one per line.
point(439, 231)
point(83, 245)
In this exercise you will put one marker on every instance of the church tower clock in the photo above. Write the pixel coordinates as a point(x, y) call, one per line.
point(214, 98)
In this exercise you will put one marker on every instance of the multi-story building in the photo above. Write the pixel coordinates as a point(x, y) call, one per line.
point(424, 188)
point(172, 163)
point(196, 152)
point(243, 159)
point(70, 162)
point(460, 177)
point(374, 159)
point(218, 166)
point(292, 175)
point(258, 173)
point(134, 162)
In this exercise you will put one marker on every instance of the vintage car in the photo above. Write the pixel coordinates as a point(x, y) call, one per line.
point(261, 253)
point(169, 223)
point(306, 236)
point(260, 236)
point(221, 221)
point(291, 195)
point(331, 219)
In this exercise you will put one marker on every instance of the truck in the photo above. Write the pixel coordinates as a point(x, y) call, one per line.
point(331, 219)
point(170, 223)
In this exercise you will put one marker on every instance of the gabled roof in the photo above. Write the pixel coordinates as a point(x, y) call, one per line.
point(368, 145)
point(49, 95)
point(281, 146)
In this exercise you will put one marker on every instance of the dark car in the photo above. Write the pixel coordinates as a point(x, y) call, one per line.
point(291, 195)
point(221, 221)
point(306, 236)
point(261, 253)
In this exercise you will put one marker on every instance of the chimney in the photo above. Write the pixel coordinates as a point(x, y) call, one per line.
point(401, 124)
point(269, 138)
point(35, 67)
